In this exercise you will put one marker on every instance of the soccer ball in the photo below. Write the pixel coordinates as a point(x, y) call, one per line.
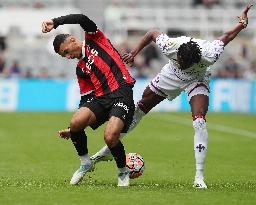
point(136, 165)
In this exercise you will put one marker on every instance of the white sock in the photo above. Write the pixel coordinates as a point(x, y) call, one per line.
point(102, 152)
point(121, 170)
point(85, 159)
point(200, 145)
point(138, 114)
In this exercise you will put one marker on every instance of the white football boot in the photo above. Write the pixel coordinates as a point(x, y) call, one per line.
point(123, 178)
point(199, 183)
point(79, 174)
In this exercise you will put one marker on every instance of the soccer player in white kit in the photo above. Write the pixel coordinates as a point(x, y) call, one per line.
point(188, 69)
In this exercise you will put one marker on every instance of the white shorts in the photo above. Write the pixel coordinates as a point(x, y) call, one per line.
point(169, 86)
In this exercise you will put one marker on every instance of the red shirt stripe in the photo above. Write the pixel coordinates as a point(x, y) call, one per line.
point(104, 65)
point(85, 84)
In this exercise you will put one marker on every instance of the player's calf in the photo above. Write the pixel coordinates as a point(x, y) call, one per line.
point(200, 147)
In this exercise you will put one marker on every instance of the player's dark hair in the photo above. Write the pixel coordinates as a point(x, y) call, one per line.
point(59, 39)
point(189, 53)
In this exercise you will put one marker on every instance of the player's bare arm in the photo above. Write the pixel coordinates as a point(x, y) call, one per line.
point(150, 36)
point(243, 21)
point(87, 24)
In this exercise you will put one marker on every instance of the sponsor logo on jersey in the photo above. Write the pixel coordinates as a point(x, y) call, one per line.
point(92, 53)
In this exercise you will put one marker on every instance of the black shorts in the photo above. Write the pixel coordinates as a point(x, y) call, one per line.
point(86, 99)
point(118, 103)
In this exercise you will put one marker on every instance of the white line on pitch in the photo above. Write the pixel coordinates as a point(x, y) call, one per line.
point(212, 126)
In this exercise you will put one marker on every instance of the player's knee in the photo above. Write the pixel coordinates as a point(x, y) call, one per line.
point(199, 122)
point(75, 125)
point(111, 138)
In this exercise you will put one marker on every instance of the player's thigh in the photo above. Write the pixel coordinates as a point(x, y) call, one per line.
point(198, 97)
point(150, 99)
point(96, 105)
point(82, 118)
point(123, 106)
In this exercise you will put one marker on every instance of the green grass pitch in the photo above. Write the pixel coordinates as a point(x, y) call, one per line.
point(36, 166)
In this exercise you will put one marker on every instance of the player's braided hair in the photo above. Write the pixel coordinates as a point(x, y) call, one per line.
point(189, 53)
point(59, 39)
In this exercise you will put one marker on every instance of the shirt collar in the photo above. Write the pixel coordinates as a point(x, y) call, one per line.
point(83, 50)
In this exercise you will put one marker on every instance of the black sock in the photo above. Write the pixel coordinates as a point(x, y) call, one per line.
point(118, 153)
point(79, 140)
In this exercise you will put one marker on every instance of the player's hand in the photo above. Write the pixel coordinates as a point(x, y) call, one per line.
point(47, 26)
point(65, 134)
point(246, 9)
point(128, 58)
point(243, 18)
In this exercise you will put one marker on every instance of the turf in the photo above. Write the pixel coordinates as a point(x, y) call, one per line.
point(36, 166)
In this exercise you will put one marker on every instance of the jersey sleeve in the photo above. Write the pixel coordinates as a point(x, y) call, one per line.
point(212, 51)
point(87, 24)
point(100, 38)
point(166, 44)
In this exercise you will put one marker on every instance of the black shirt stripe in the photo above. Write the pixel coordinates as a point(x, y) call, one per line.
point(101, 78)
point(109, 61)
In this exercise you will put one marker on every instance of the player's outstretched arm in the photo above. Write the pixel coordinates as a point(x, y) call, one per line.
point(87, 24)
point(232, 33)
point(150, 36)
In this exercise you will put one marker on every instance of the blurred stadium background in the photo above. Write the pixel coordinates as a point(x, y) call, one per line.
point(33, 77)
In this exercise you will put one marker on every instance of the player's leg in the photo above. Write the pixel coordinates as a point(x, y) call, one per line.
point(111, 137)
point(151, 97)
point(80, 120)
point(199, 106)
point(148, 101)
point(120, 118)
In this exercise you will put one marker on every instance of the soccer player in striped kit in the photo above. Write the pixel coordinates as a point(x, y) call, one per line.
point(99, 62)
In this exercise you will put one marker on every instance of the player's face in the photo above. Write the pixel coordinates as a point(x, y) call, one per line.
point(70, 48)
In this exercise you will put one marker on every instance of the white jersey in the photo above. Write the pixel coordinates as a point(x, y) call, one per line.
point(171, 81)
point(210, 53)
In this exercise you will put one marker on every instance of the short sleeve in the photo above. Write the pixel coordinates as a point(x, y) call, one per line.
point(166, 44)
point(212, 51)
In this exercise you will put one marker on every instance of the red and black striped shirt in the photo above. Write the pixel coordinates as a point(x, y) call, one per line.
point(101, 62)
point(84, 81)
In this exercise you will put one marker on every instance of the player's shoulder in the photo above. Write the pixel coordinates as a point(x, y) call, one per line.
point(209, 47)
point(165, 38)
point(97, 36)
point(94, 33)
